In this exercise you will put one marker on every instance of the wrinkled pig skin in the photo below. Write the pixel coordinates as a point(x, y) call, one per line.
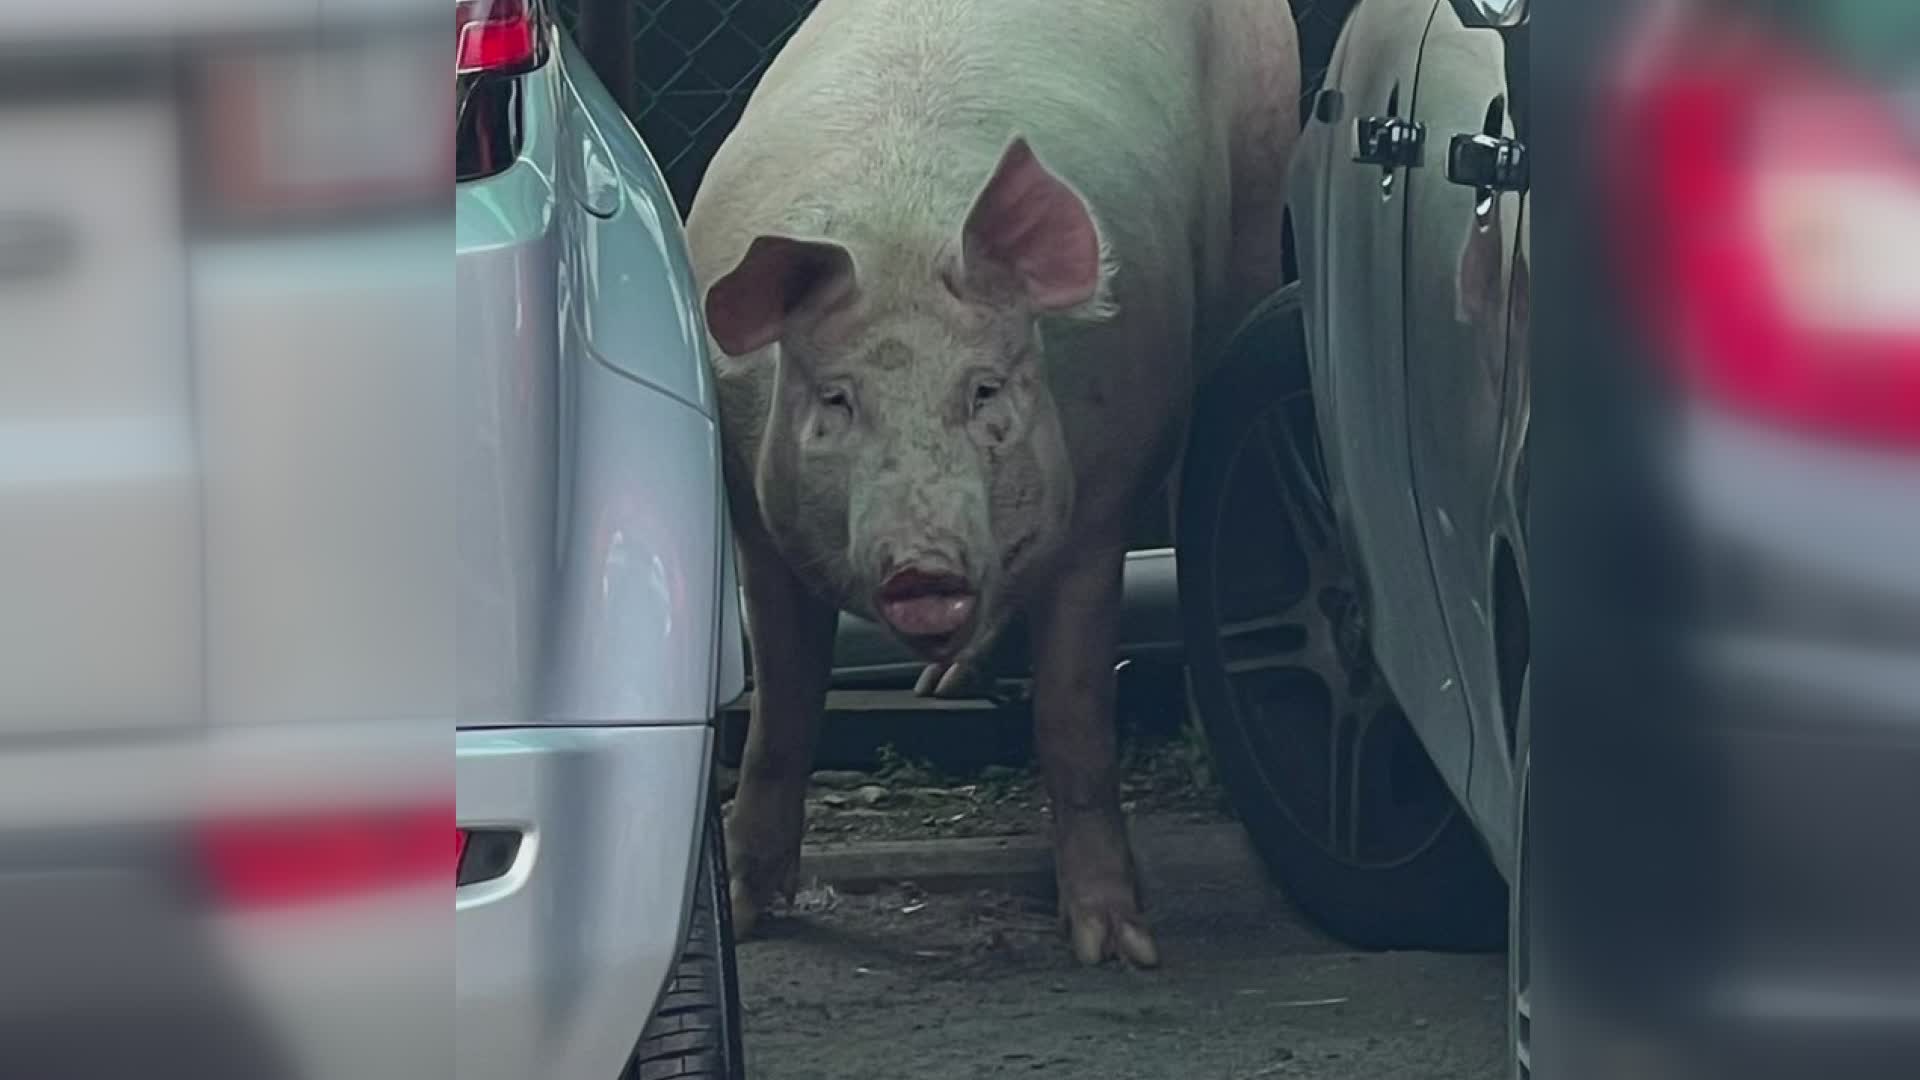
point(963, 262)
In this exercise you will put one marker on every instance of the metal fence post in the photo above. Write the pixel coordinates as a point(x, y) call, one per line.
point(605, 36)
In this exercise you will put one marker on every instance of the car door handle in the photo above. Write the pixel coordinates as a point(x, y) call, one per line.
point(1391, 142)
point(1488, 163)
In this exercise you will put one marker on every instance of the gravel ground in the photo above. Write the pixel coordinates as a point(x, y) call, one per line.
point(899, 984)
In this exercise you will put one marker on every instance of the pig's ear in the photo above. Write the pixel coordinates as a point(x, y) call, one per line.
point(779, 277)
point(1029, 222)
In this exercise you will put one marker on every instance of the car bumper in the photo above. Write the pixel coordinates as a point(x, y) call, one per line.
point(561, 958)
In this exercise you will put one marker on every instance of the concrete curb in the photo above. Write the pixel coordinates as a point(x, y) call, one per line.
point(1017, 864)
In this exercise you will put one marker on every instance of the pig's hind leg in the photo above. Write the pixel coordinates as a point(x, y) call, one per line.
point(1261, 37)
point(1074, 643)
point(791, 632)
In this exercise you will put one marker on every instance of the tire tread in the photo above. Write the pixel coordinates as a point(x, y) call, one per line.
point(694, 1031)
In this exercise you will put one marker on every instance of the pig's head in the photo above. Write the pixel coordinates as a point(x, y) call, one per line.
point(912, 465)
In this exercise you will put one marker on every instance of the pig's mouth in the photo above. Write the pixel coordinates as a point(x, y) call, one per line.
point(930, 610)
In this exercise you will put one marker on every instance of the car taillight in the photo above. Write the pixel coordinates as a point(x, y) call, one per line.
point(1766, 215)
point(494, 40)
point(336, 129)
point(496, 37)
point(290, 860)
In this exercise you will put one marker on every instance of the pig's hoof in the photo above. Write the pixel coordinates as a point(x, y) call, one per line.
point(752, 898)
point(950, 681)
point(929, 680)
point(746, 911)
point(1102, 933)
point(759, 880)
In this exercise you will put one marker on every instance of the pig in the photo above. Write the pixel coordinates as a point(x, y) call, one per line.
point(962, 263)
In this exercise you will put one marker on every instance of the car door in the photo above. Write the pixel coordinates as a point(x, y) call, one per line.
point(1353, 221)
point(1464, 208)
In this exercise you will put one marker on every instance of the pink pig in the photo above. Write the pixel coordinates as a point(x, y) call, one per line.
point(963, 262)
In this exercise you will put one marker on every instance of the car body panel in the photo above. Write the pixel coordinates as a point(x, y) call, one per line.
point(1496, 765)
point(232, 506)
point(561, 959)
point(1821, 590)
point(645, 299)
point(600, 630)
point(1353, 237)
point(1460, 266)
point(328, 498)
point(1418, 363)
point(98, 439)
point(1851, 529)
point(590, 475)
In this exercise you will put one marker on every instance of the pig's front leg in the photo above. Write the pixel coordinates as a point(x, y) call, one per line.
point(1074, 641)
point(792, 637)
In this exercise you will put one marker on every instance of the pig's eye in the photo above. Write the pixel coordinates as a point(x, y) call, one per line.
point(984, 393)
point(834, 413)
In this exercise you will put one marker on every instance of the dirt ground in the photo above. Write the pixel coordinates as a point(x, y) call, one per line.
point(909, 800)
point(901, 984)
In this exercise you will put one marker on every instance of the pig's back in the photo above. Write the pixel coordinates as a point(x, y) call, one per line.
point(899, 108)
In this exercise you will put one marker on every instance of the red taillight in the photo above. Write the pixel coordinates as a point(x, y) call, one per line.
point(495, 36)
point(340, 128)
point(287, 860)
point(1767, 212)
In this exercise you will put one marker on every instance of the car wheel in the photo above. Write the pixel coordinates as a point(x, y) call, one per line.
point(694, 1033)
point(1335, 789)
point(1519, 938)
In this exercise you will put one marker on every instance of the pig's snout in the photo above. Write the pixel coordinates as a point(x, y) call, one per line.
point(928, 604)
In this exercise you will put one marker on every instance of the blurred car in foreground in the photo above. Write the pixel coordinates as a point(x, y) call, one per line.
point(273, 533)
point(1749, 186)
point(1356, 561)
point(600, 621)
point(224, 706)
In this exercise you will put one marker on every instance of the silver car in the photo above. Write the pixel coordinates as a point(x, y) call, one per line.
point(600, 622)
point(226, 609)
point(272, 531)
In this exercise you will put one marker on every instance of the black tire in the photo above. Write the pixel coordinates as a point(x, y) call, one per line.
point(694, 1033)
point(1260, 684)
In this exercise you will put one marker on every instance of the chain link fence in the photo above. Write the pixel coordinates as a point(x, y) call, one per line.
point(694, 63)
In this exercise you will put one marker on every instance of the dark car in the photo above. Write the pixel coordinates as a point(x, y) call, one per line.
point(1353, 557)
point(1734, 434)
